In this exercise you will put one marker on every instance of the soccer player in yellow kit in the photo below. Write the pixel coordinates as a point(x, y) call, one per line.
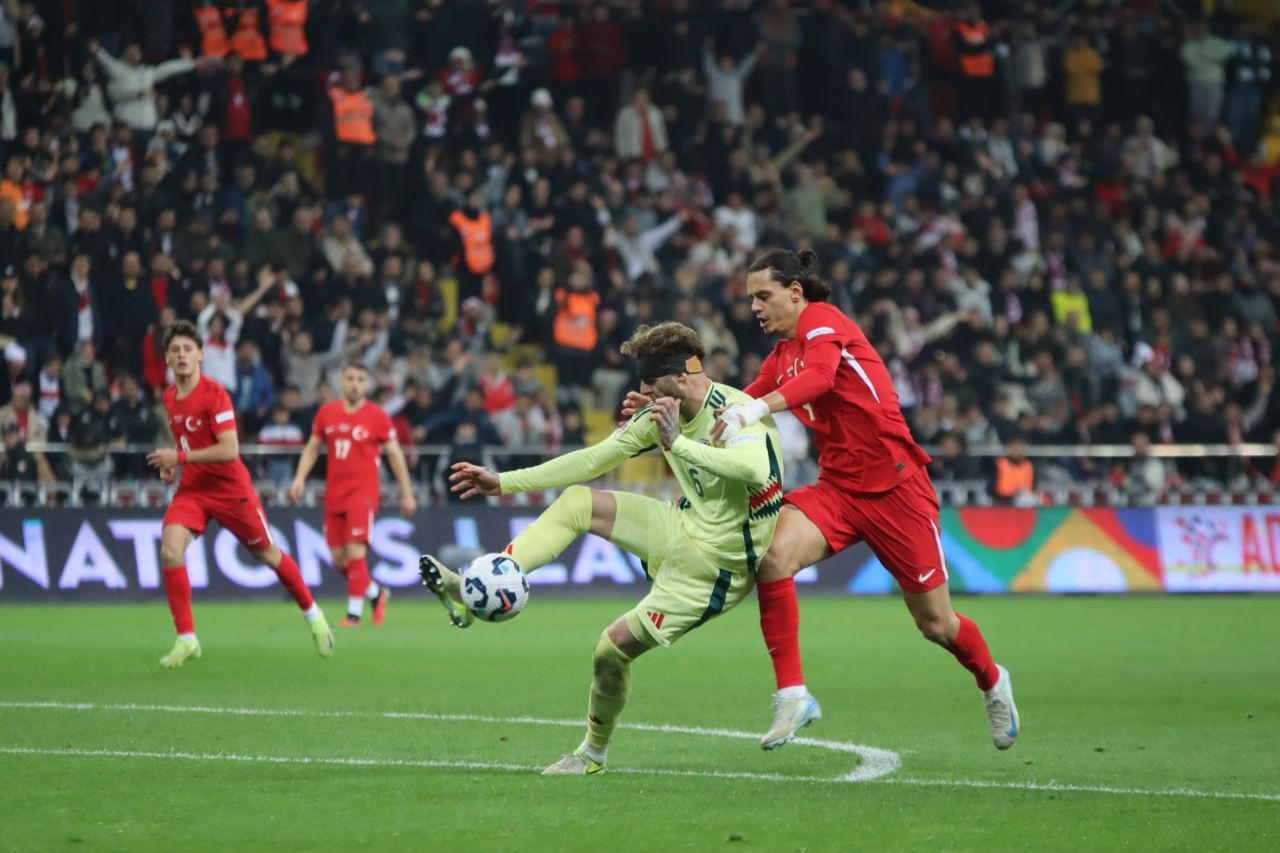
point(701, 551)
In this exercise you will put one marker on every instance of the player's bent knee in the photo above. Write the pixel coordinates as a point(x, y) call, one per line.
point(936, 629)
point(775, 568)
point(609, 665)
point(356, 551)
point(173, 547)
point(271, 555)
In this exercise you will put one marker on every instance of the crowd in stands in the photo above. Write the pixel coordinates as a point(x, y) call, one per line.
point(1057, 223)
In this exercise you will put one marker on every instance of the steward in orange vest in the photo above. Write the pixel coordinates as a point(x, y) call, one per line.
point(575, 324)
point(288, 26)
point(352, 116)
point(475, 231)
point(976, 58)
point(213, 33)
point(1014, 474)
point(247, 40)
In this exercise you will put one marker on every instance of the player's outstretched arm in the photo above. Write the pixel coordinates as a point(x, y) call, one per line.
point(468, 481)
point(306, 462)
point(633, 438)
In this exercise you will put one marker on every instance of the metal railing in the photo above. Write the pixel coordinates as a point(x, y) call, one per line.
point(273, 467)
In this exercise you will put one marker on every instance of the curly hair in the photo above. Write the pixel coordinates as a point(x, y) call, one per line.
point(183, 329)
point(785, 266)
point(663, 341)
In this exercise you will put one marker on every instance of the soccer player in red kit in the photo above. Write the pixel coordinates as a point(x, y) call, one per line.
point(214, 485)
point(872, 487)
point(355, 431)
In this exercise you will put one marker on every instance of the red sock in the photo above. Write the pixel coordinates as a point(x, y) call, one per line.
point(291, 577)
point(357, 577)
point(780, 624)
point(178, 587)
point(971, 650)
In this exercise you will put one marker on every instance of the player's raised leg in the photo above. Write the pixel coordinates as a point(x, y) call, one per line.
point(174, 539)
point(797, 542)
point(576, 511)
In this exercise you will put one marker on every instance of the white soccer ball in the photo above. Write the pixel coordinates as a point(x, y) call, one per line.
point(494, 588)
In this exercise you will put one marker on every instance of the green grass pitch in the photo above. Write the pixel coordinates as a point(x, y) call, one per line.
point(1149, 723)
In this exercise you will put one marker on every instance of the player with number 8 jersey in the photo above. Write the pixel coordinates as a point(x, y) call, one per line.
point(216, 486)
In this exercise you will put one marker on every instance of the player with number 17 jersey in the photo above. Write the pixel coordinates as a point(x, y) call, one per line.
point(352, 482)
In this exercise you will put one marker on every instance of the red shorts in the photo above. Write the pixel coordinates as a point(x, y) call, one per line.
point(901, 526)
point(349, 521)
point(241, 514)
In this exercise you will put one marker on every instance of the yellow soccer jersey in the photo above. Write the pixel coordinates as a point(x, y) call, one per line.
point(732, 494)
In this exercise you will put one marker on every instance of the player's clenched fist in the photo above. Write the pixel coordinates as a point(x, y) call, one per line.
point(469, 480)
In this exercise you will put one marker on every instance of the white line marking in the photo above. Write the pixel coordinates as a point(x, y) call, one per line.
point(395, 762)
point(875, 762)
point(1085, 789)
point(634, 771)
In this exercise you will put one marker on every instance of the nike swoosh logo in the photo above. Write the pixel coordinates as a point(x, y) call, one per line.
point(924, 577)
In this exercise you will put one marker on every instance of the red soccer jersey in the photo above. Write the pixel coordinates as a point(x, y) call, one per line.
point(355, 442)
point(837, 384)
point(196, 420)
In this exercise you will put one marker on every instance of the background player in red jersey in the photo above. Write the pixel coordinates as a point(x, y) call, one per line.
point(873, 486)
point(355, 431)
point(214, 485)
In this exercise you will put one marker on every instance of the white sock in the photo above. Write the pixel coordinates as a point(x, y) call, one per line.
point(355, 606)
point(190, 638)
point(372, 590)
point(798, 691)
point(999, 683)
point(313, 613)
point(596, 755)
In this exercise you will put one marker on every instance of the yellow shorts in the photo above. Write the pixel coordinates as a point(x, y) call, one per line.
point(688, 588)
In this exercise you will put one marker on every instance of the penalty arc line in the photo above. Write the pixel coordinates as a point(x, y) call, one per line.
point(875, 762)
point(634, 771)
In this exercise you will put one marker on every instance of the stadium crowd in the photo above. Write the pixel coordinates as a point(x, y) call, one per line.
point(1055, 230)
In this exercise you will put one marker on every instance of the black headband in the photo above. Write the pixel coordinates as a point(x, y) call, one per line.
point(653, 366)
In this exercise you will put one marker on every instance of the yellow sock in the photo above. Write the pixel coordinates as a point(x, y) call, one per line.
point(609, 690)
point(568, 517)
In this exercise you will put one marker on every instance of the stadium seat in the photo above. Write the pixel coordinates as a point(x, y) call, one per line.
point(449, 295)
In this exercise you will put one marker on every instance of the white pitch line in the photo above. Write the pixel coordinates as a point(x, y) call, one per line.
point(1082, 789)
point(393, 762)
point(635, 771)
point(875, 762)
